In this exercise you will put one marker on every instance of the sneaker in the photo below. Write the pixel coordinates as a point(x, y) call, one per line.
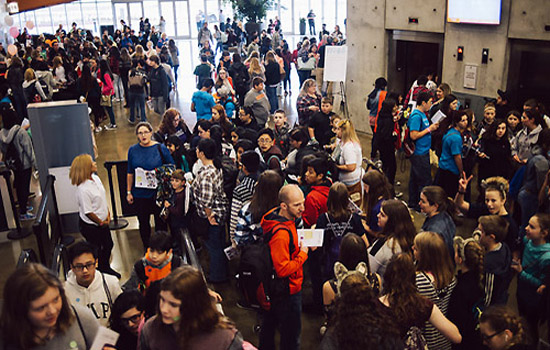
point(110, 127)
point(131, 121)
point(98, 129)
point(27, 217)
point(399, 195)
point(29, 208)
point(397, 183)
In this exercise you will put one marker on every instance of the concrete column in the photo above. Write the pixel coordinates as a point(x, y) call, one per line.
point(367, 42)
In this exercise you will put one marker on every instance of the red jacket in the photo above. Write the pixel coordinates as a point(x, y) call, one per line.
point(285, 264)
point(315, 204)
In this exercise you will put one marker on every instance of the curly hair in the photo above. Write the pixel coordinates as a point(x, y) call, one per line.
point(501, 318)
point(359, 313)
point(399, 226)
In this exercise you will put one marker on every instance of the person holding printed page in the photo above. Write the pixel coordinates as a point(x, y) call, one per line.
point(143, 158)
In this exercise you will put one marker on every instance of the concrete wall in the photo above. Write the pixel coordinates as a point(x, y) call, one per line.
point(371, 21)
point(430, 15)
point(367, 55)
point(474, 38)
point(528, 19)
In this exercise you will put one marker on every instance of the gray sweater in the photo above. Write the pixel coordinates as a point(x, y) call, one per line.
point(22, 142)
point(73, 336)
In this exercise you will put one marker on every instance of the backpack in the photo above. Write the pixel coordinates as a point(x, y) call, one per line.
point(230, 173)
point(414, 340)
point(12, 158)
point(257, 279)
point(136, 80)
point(332, 248)
point(32, 94)
point(408, 144)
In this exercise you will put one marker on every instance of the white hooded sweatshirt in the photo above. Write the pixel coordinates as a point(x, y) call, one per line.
point(95, 297)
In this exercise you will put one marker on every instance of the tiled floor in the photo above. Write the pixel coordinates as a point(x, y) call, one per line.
point(113, 145)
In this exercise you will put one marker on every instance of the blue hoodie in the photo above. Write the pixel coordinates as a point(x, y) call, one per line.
point(535, 264)
point(203, 104)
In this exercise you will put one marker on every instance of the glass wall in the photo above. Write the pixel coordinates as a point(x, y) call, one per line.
point(181, 15)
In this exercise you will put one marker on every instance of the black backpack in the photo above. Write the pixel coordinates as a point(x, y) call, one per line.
point(257, 279)
point(12, 158)
point(230, 173)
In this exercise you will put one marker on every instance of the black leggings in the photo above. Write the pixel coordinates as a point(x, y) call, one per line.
point(145, 207)
point(389, 164)
point(22, 182)
point(100, 236)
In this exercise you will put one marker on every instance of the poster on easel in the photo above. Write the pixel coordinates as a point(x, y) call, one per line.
point(336, 58)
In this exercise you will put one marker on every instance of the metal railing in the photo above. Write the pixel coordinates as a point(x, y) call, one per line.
point(47, 227)
point(189, 253)
point(59, 260)
point(26, 256)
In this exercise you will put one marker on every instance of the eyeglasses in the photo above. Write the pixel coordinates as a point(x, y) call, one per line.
point(87, 266)
point(141, 133)
point(486, 338)
point(264, 141)
point(133, 319)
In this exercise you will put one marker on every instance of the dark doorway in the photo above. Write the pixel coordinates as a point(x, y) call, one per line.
point(529, 72)
point(411, 58)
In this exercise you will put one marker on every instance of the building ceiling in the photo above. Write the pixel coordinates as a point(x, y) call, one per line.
point(26, 5)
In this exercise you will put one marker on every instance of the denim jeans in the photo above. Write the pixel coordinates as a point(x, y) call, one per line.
point(137, 101)
point(285, 314)
point(159, 105)
point(109, 110)
point(529, 204)
point(271, 93)
point(117, 85)
point(215, 244)
point(420, 177)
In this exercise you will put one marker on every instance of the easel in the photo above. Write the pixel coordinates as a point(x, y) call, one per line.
point(343, 103)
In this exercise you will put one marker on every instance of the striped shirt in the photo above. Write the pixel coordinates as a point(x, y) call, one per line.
point(241, 194)
point(440, 297)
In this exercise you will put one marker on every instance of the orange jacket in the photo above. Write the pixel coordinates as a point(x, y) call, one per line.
point(285, 264)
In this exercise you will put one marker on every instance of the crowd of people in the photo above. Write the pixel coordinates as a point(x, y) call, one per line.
point(245, 181)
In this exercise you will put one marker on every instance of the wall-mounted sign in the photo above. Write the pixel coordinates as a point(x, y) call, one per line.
point(470, 76)
point(13, 7)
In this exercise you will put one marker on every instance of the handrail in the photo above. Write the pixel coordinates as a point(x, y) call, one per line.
point(26, 256)
point(189, 249)
point(59, 259)
point(47, 240)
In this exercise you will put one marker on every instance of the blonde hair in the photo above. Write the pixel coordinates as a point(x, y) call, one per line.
point(306, 85)
point(81, 169)
point(255, 66)
point(348, 131)
point(29, 74)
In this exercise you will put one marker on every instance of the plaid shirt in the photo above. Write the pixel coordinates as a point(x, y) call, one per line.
point(208, 193)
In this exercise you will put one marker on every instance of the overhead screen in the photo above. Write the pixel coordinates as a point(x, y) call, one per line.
point(474, 11)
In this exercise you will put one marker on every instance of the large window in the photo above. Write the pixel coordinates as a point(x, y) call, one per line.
point(105, 13)
point(181, 15)
point(182, 12)
point(59, 16)
point(167, 11)
point(90, 17)
point(43, 22)
point(151, 10)
point(74, 13)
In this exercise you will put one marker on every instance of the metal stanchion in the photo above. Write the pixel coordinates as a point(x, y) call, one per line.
point(117, 223)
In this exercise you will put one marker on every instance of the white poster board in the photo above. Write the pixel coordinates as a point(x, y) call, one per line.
point(65, 192)
point(470, 76)
point(336, 58)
